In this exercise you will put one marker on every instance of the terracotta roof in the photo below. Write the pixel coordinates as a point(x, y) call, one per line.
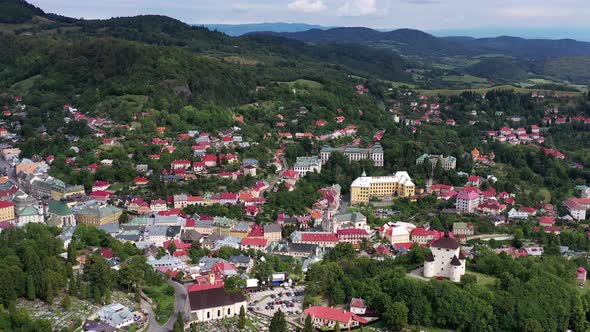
point(357, 303)
point(252, 241)
point(334, 314)
point(318, 237)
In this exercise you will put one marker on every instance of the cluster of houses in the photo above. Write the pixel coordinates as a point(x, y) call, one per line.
point(517, 136)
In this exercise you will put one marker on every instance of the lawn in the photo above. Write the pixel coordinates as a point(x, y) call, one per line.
point(163, 299)
point(304, 84)
point(467, 79)
point(451, 92)
point(483, 279)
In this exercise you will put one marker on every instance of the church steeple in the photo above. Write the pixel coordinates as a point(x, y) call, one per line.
point(364, 173)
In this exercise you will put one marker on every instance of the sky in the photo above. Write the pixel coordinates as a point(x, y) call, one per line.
point(382, 14)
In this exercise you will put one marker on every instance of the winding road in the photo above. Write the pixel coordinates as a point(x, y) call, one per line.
point(181, 303)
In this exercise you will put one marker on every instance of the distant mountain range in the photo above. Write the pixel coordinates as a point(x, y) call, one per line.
point(419, 43)
point(242, 29)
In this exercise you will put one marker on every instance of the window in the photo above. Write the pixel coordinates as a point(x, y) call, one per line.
point(228, 311)
point(208, 315)
point(218, 313)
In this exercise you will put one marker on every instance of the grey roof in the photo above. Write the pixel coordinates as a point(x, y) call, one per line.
point(350, 217)
point(190, 235)
point(272, 228)
point(241, 259)
point(172, 231)
point(156, 230)
point(112, 228)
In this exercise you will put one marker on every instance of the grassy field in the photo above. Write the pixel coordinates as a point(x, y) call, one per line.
point(240, 60)
point(163, 298)
point(451, 92)
point(466, 79)
point(483, 279)
point(303, 84)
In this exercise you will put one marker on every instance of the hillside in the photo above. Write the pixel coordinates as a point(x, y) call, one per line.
point(414, 42)
point(242, 29)
point(17, 11)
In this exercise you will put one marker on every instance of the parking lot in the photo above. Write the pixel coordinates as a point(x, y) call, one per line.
point(287, 299)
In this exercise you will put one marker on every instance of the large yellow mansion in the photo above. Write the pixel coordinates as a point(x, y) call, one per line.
point(366, 187)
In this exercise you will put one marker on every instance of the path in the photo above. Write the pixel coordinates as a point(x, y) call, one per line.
point(487, 237)
point(181, 302)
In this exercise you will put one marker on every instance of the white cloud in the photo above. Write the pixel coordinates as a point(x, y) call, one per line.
point(358, 8)
point(307, 6)
point(538, 12)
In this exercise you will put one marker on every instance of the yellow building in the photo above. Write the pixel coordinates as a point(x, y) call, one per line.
point(6, 211)
point(366, 187)
point(98, 215)
point(59, 193)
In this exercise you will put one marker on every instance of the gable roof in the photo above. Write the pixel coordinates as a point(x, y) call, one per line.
point(213, 298)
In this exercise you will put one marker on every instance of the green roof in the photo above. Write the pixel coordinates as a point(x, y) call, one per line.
point(138, 221)
point(28, 211)
point(59, 208)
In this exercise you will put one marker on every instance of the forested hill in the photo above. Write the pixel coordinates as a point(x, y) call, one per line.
point(414, 42)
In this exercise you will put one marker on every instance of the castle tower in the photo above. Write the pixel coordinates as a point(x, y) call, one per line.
point(429, 266)
point(456, 268)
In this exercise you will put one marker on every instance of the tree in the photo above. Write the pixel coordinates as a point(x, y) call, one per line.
point(31, 294)
point(337, 327)
point(66, 302)
point(308, 327)
point(532, 325)
point(278, 322)
point(172, 248)
point(242, 318)
point(396, 316)
point(234, 284)
point(341, 251)
point(179, 324)
point(72, 254)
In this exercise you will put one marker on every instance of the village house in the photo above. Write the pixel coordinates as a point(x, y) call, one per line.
point(327, 318)
point(463, 228)
point(214, 303)
point(447, 163)
point(322, 239)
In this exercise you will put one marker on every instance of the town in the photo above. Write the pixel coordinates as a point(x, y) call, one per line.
point(157, 176)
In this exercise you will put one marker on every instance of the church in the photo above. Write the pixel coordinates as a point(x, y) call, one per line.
point(445, 259)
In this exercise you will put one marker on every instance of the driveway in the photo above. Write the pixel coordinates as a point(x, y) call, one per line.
point(181, 301)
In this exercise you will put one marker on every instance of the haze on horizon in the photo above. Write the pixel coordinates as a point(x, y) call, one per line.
point(430, 15)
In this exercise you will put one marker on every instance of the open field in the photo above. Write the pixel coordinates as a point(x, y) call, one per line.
point(452, 92)
point(303, 84)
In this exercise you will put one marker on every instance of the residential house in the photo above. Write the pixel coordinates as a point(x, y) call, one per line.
point(327, 318)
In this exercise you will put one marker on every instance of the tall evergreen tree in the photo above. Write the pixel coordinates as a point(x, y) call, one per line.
point(278, 323)
point(308, 327)
point(242, 318)
point(31, 293)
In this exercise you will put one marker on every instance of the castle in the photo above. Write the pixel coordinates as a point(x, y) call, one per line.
point(445, 259)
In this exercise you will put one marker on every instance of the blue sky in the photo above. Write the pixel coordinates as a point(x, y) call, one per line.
point(418, 14)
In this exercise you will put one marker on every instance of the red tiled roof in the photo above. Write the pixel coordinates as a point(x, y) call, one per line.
point(5, 204)
point(318, 237)
point(351, 231)
point(333, 314)
point(252, 241)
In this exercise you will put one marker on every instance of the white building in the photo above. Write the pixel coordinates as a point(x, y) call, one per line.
point(467, 202)
point(29, 214)
point(307, 164)
point(397, 233)
point(215, 303)
point(116, 315)
point(374, 153)
point(445, 260)
point(513, 214)
point(447, 163)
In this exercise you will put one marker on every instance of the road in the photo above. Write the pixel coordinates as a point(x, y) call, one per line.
point(278, 176)
point(487, 237)
point(181, 301)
